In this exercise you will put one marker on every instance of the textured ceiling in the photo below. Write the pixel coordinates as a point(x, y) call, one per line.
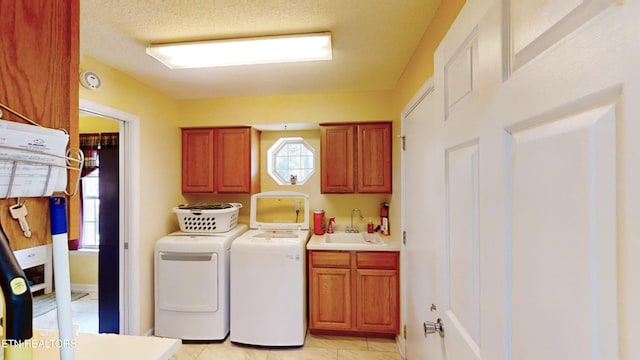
point(372, 42)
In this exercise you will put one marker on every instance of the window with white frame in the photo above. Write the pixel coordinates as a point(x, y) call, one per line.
point(91, 210)
point(290, 161)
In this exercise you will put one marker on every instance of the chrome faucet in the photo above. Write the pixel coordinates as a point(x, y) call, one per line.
point(353, 229)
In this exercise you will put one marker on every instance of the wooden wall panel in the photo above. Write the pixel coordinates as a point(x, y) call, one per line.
point(39, 65)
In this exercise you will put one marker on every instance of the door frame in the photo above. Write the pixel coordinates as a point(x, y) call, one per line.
point(425, 90)
point(129, 292)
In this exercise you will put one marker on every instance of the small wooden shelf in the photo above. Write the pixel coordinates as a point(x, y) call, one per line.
point(31, 259)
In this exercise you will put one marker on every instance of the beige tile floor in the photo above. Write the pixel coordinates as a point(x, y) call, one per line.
point(84, 313)
point(315, 348)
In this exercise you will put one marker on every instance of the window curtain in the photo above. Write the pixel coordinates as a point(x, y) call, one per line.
point(90, 144)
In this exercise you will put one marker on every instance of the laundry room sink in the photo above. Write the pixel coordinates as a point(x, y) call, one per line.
point(345, 241)
point(353, 238)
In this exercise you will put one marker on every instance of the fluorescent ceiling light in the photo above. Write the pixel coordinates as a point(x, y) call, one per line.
point(245, 51)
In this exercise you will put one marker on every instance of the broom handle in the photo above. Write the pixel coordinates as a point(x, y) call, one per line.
point(61, 275)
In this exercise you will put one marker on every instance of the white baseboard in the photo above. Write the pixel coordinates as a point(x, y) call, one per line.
point(84, 287)
point(400, 341)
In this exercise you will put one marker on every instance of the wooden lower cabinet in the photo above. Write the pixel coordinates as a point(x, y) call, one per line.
point(377, 300)
point(354, 292)
point(332, 289)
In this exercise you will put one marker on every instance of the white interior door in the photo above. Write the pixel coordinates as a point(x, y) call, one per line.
point(422, 191)
point(529, 188)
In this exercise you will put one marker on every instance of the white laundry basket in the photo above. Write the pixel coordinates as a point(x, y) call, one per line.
point(207, 218)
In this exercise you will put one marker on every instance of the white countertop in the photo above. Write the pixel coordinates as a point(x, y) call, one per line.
point(318, 242)
point(46, 345)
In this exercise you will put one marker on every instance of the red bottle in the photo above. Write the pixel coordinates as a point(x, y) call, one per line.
point(318, 222)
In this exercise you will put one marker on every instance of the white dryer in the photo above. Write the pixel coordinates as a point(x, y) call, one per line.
point(268, 279)
point(192, 284)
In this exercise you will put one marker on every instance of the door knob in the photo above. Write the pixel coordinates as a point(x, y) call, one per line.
point(433, 327)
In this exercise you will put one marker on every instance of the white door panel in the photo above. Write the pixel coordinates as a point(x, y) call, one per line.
point(563, 239)
point(537, 25)
point(531, 224)
point(461, 282)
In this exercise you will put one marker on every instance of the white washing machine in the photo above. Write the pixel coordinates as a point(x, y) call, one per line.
point(268, 279)
point(192, 284)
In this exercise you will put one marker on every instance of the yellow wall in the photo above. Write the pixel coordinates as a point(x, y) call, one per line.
point(420, 67)
point(282, 109)
point(159, 184)
point(97, 124)
point(161, 118)
point(83, 268)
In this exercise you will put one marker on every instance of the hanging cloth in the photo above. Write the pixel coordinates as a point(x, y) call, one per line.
point(90, 144)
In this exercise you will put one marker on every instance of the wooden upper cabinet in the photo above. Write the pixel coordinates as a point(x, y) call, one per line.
point(337, 159)
point(237, 160)
point(356, 158)
point(374, 158)
point(220, 160)
point(198, 160)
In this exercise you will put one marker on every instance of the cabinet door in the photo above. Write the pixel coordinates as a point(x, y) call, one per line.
point(330, 299)
point(377, 301)
point(233, 160)
point(337, 159)
point(374, 158)
point(197, 161)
